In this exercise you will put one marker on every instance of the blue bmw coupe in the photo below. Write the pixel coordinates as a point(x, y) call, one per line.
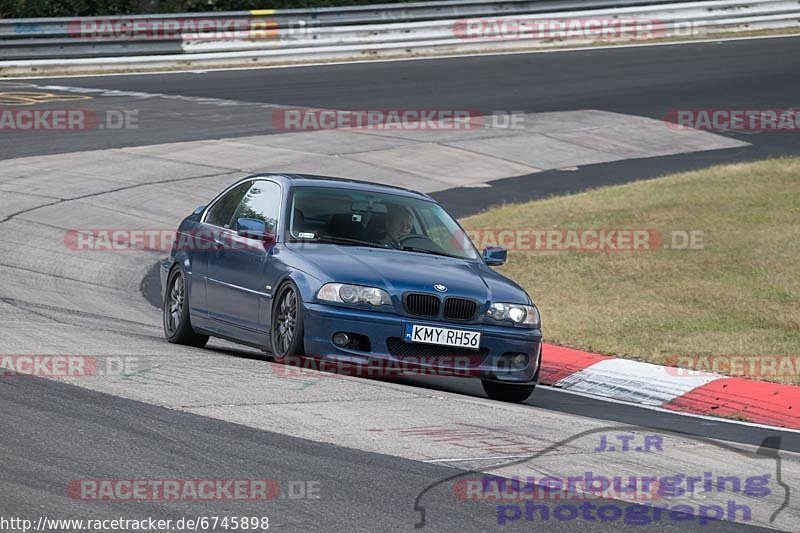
point(340, 270)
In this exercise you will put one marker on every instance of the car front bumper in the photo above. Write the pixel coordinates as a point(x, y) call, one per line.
point(389, 352)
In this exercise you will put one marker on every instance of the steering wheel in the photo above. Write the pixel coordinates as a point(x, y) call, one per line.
point(424, 242)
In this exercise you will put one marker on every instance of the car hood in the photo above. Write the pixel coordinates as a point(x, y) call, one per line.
point(398, 272)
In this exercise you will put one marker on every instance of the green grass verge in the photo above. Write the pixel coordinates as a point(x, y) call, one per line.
point(738, 295)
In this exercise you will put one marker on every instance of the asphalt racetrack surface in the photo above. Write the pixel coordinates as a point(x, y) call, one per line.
point(226, 412)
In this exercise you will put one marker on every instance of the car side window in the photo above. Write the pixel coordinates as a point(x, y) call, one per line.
point(221, 212)
point(262, 202)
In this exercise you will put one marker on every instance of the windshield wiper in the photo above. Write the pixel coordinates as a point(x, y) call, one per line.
point(431, 252)
point(357, 242)
point(347, 240)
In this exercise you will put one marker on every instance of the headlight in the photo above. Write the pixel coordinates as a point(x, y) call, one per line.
point(353, 294)
point(520, 315)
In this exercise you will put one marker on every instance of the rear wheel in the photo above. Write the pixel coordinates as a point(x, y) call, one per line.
point(286, 331)
point(507, 392)
point(177, 324)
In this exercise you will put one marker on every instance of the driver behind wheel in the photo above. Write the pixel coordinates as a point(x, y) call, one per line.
point(399, 223)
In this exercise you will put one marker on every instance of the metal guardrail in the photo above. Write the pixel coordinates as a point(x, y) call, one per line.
point(294, 35)
point(338, 16)
point(64, 38)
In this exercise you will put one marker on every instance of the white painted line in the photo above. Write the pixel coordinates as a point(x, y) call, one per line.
point(499, 458)
point(115, 93)
point(393, 60)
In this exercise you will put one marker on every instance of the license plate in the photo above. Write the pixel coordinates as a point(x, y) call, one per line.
point(443, 336)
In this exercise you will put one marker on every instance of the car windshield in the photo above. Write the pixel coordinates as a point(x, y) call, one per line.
point(365, 218)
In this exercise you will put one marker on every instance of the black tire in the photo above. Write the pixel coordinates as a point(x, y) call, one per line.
point(286, 329)
point(507, 392)
point(177, 322)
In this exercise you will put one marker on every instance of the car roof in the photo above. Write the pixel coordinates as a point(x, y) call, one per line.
point(311, 180)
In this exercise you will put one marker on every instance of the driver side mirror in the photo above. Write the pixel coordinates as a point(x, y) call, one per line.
point(495, 255)
point(253, 228)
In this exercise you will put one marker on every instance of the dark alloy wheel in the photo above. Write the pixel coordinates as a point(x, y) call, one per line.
point(286, 332)
point(177, 324)
point(507, 392)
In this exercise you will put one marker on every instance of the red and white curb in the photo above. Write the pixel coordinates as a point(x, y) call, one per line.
point(671, 388)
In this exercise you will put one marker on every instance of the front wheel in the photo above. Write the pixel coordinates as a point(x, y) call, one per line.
point(507, 392)
point(286, 331)
point(177, 325)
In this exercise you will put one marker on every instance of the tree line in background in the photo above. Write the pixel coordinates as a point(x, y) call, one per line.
point(88, 8)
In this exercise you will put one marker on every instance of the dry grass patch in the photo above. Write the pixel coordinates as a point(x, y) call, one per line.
point(738, 295)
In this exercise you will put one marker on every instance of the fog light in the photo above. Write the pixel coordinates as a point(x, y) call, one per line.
point(341, 339)
point(519, 361)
